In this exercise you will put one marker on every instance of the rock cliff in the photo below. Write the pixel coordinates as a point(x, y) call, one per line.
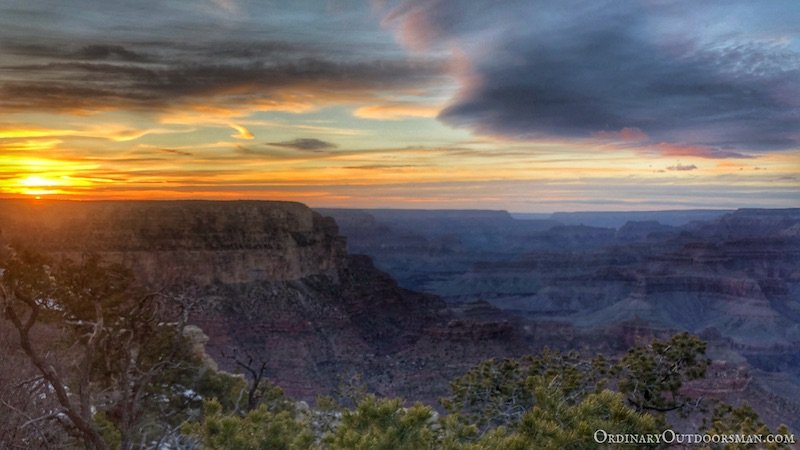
point(229, 242)
point(277, 286)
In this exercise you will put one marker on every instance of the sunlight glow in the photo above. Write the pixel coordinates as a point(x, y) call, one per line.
point(45, 184)
point(36, 185)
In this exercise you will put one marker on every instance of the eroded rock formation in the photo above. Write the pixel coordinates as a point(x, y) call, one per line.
point(278, 287)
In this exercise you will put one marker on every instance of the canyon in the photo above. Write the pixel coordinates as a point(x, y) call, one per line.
point(276, 286)
point(403, 301)
point(731, 277)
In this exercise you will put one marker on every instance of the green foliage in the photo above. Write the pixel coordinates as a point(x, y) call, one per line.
point(384, 424)
point(728, 420)
point(126, 365)
point(88, 290)
point(557, 400)
point(351, 390)
point(28, 275)
point(108, 430)
point(651, 376)
point(550, 401)
point(490, 394)
point(324, 417)
point(225, 388)
point(135, 374)
point(454, 433)
point(259, 429)
point(555, 424)
point(271, 395)
point(231, 391)
point(499, 392)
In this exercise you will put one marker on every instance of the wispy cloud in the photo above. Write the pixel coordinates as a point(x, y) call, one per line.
point(109, 131)
point(699, 151)
point(176, 152)
point(682, 167)
point(101, 78)
point(306, 144)
point(241, 132)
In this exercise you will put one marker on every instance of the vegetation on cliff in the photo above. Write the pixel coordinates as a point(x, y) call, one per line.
point(97, 362)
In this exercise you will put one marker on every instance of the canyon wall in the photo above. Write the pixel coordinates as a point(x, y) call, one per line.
point(730, 277)
point(166, 241)
point(276, 286)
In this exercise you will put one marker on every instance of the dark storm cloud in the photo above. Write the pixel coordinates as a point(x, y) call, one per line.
point(306, 144)
point(679, 72)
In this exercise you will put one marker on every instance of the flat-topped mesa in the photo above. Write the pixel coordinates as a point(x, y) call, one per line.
point(167, 241)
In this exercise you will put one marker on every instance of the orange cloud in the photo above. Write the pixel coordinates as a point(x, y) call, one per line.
point(28, 145)
point(396, 111)
point(18, 133)
point(110, 131)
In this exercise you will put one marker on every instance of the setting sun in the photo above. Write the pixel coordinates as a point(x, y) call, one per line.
point(37, 185)
point(41, 184)
point(37, 181)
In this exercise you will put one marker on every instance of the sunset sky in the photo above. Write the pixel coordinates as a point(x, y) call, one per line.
point(529, 106)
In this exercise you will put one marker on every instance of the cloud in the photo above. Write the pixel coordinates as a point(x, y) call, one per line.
point(681, 167)
point(28, 145)
point(176, 152)
point(698, 151)
point(168, 77)
point(626, 134)
point(241, 132)
point(91, 52)
point(96, 52)
point(579, 69)
point(306, 144)
point(383, 166)
point(396, 111)
point(109, 131)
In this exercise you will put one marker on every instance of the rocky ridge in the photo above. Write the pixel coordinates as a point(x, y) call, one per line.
point(277, 286)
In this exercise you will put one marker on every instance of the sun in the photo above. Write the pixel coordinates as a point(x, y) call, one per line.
point(38, 185)
point(37, 181)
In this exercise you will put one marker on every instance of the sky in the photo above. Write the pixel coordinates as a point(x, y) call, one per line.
point(523, 105)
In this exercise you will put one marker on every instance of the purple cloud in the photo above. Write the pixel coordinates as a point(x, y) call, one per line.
point(724, 76)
